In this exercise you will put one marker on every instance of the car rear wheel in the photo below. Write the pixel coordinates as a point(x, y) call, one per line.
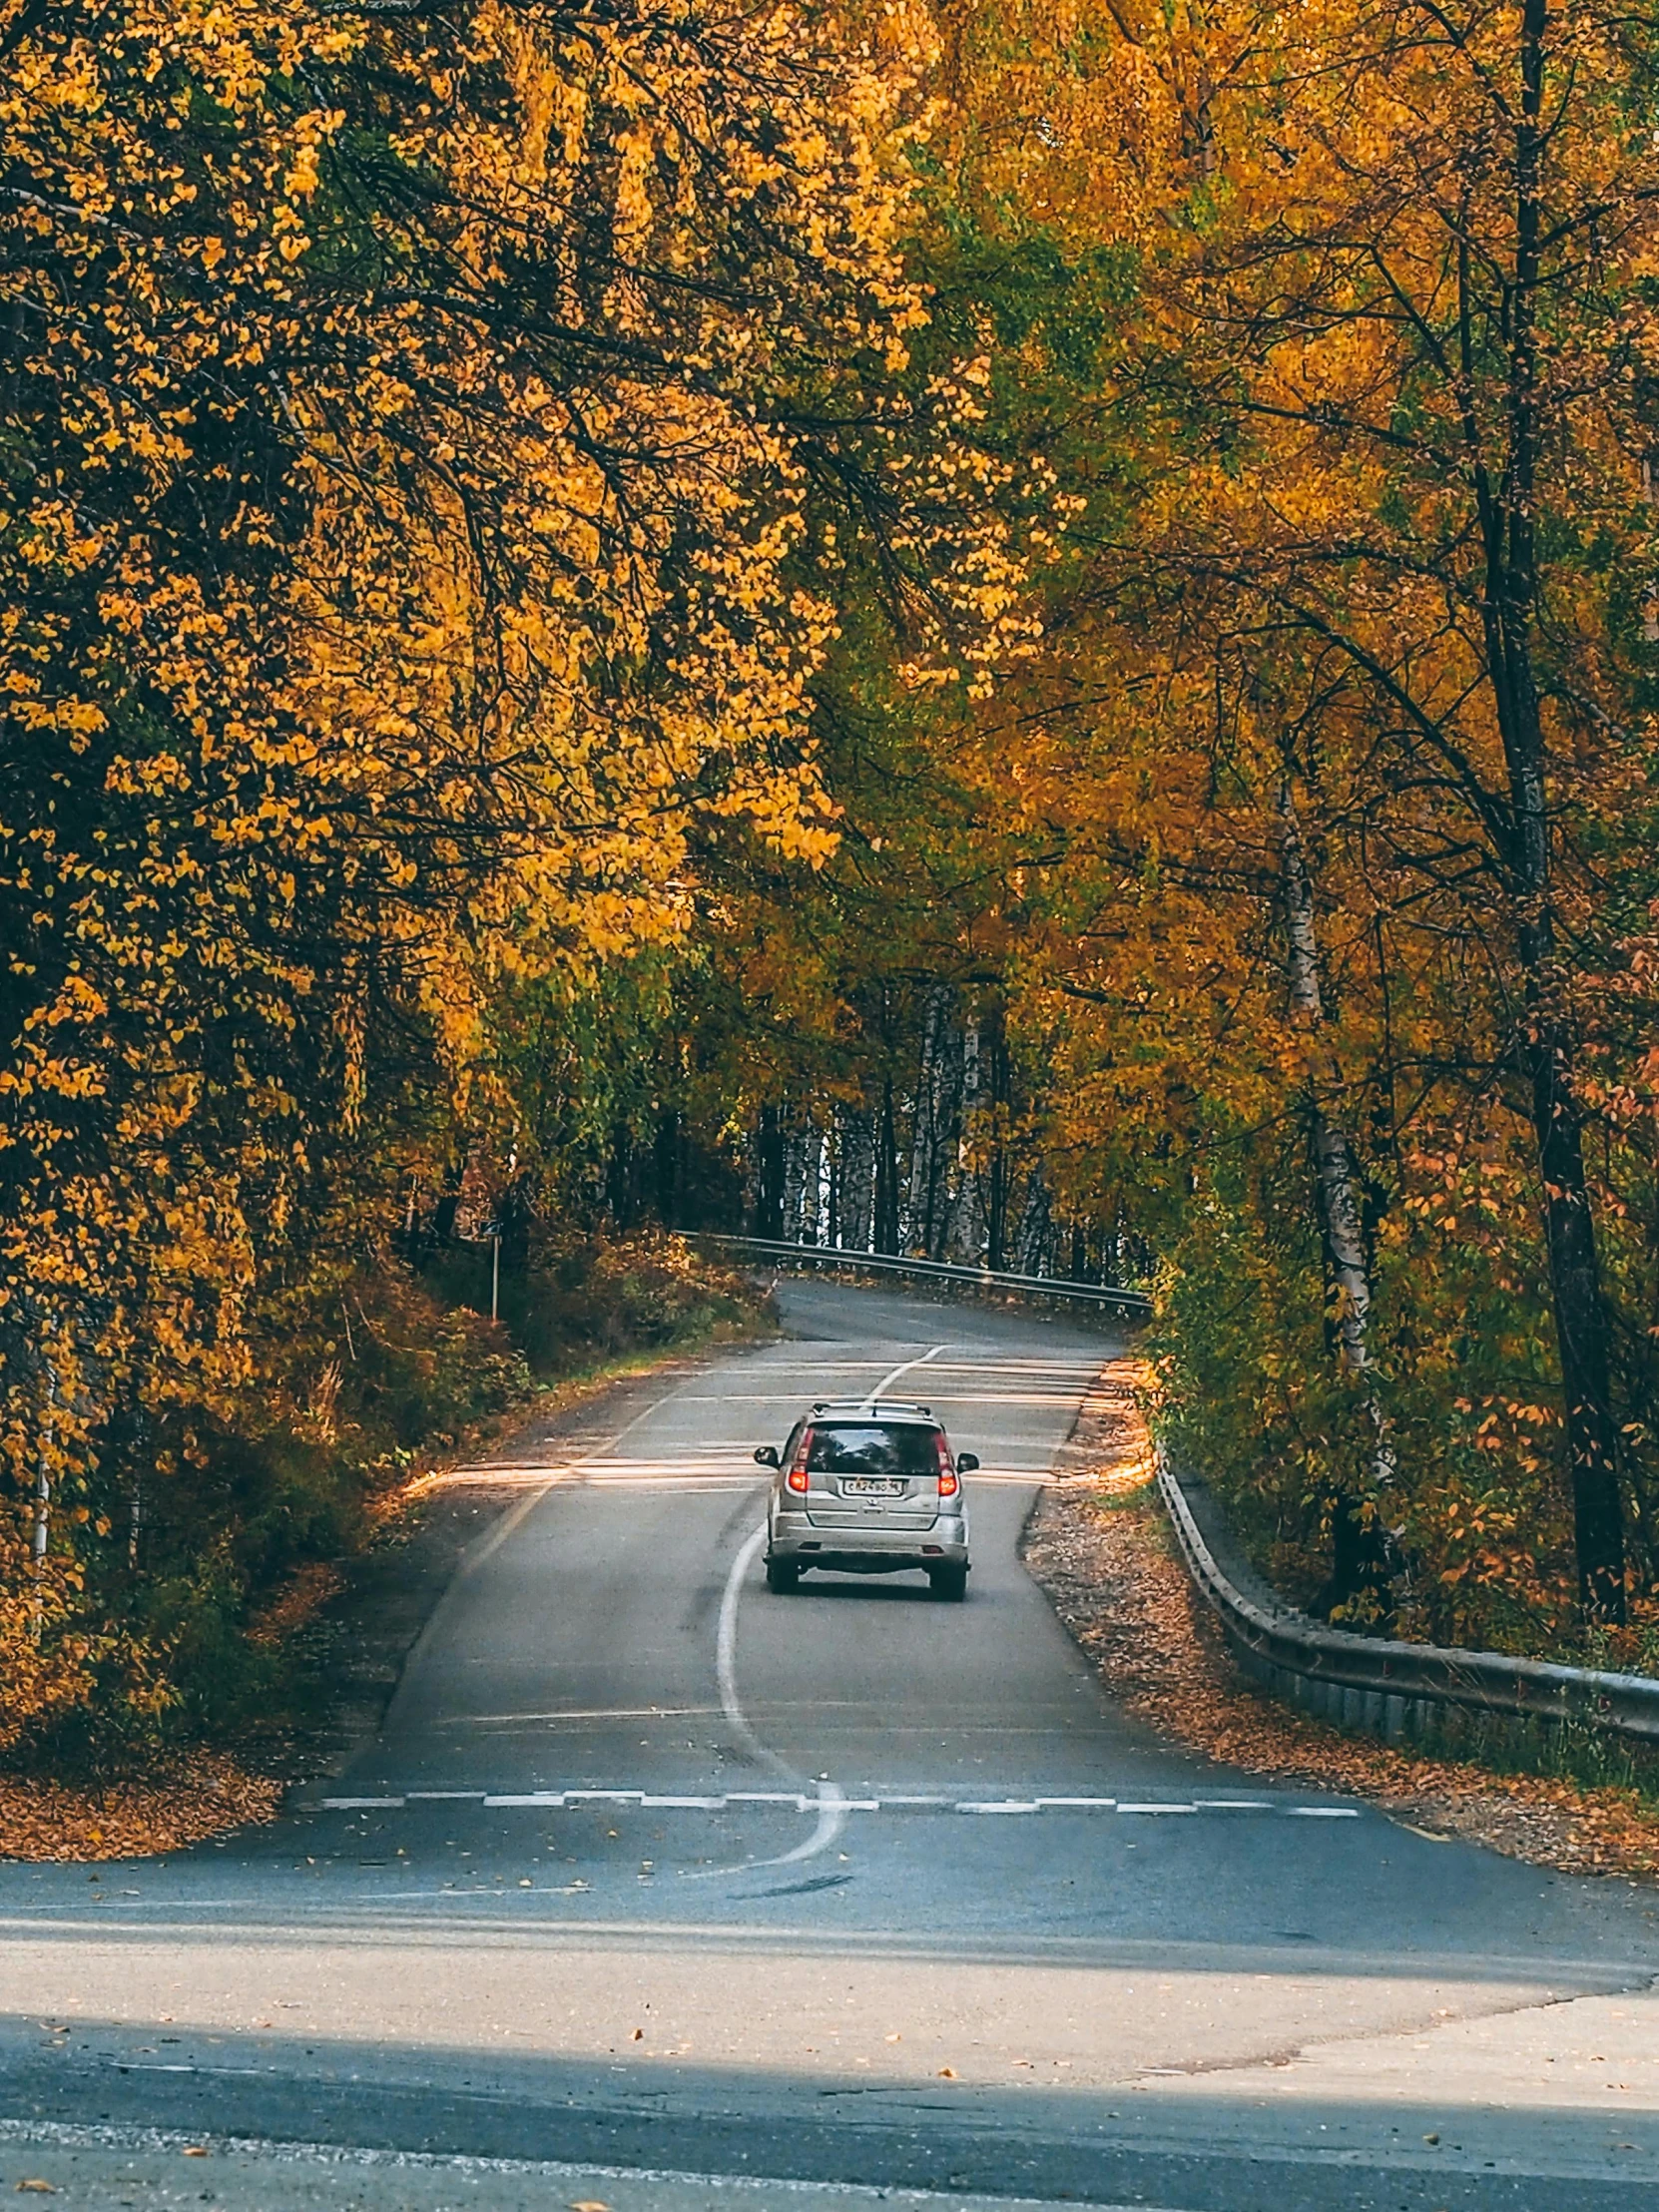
point(950, 1582)
point(783, 1576)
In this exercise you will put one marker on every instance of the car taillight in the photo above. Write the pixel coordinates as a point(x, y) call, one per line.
point(949, 1483)
point(797, 1476)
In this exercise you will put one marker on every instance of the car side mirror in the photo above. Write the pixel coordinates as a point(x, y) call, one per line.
point(967, 1463)
point(767, 1455)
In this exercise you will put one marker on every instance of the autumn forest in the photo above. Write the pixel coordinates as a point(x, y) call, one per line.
point(1023, 633)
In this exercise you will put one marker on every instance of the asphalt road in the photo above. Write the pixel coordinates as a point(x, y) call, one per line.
point(654, 1874)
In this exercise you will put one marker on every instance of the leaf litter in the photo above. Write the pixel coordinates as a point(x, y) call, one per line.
point(198, 1796)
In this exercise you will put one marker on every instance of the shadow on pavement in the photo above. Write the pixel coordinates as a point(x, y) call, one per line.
point(1209, 2153)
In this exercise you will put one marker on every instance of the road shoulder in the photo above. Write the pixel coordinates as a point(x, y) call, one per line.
point(378, 1605)
point(1100, 1545)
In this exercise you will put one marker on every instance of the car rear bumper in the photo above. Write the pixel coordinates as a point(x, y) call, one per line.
point(866, 1550)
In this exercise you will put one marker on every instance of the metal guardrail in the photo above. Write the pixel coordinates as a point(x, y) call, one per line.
point(1133, 1305)
point(1393, 1689)
point(1373, 1683)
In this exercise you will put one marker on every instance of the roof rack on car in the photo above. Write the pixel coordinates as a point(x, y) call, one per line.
point(869, 1405)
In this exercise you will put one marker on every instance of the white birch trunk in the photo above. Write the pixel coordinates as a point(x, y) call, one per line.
point(965, 1241)
point(1333, 1161)
point(1338, 1198)
point(795, 1185)
point(815, 1227)
point(920, 1225)
point(43, 1501)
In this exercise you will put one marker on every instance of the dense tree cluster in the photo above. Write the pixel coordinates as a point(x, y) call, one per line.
point(424, 443)
point(1027, 635)
point(1307, 867)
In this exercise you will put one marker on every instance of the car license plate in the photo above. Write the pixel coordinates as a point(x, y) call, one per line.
point(872, 1486)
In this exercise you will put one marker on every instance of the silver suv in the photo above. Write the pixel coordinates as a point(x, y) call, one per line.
point(868, 1487)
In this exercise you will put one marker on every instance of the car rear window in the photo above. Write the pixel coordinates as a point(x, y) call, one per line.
point(872, 1447)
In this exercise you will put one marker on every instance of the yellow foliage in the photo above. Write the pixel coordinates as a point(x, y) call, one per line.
point(410, 470)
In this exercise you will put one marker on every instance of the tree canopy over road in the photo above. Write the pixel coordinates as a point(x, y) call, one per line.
point(1023, 633)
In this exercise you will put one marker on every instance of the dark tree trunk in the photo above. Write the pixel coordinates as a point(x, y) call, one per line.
point(667, 1148)
point(886, 1175)
point(1511, 618)
point(513, 1212)
point(769, 1186)
point(1582, 1331)
point(1362, 1565)
point(619, 1177)
point(996, 1209)
point(997, 1175)
point(448, 1204)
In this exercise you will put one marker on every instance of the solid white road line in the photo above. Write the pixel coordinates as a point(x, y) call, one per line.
point(726, 1651)
point(832, 1809)
point(902, 1369)
point(832, 1806)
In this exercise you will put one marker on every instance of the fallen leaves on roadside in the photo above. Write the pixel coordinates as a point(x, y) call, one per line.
point(1104, 1553)
point(40, 2188)
point(199, 1795)
point(301, 1597)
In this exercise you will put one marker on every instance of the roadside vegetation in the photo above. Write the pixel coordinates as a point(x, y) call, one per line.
point(1024, 636)
point(1102, 1547)
point(258, 1509)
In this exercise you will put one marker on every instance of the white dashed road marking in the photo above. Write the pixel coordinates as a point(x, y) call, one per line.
point(824, 1801)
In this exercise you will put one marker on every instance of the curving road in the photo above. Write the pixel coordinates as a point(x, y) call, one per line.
point(653, 1870)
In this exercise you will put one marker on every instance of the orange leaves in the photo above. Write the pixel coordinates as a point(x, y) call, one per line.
point(1284, 583)
point(46, 1674)
point(202, 1795)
